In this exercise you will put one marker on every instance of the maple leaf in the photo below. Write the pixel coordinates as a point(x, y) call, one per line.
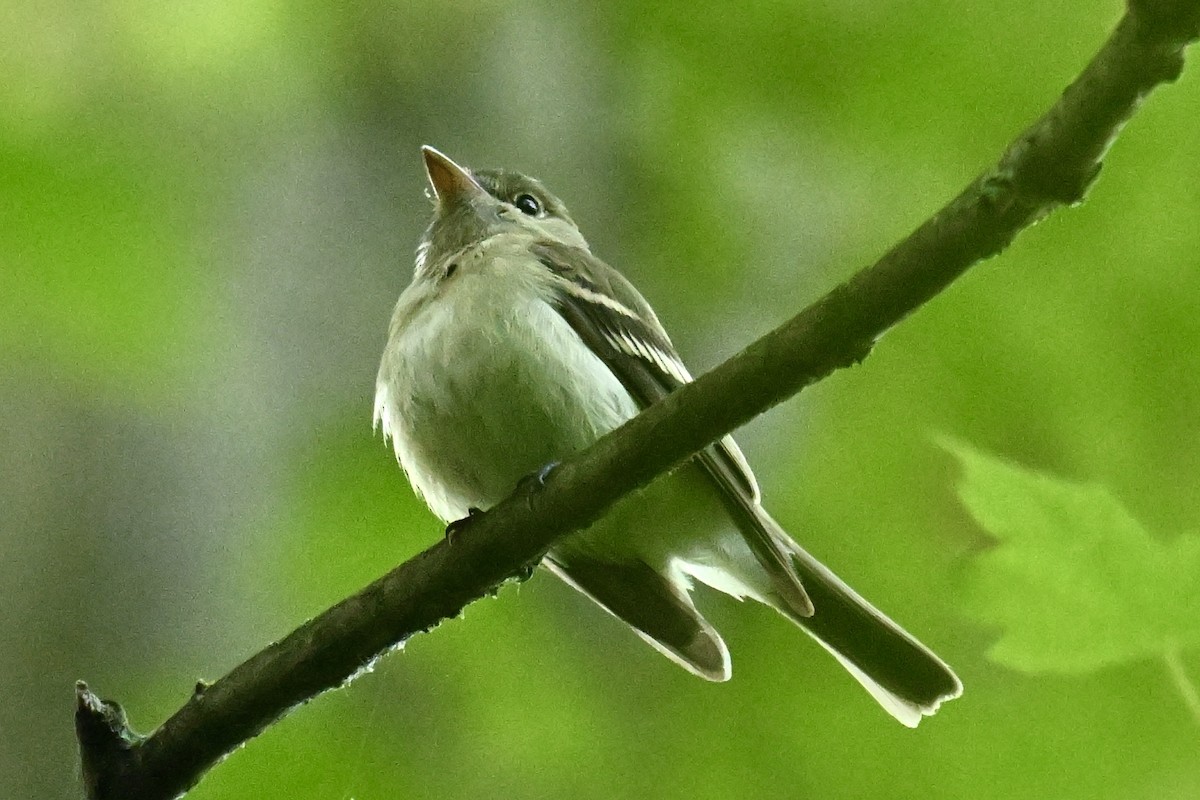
point(1074, 583)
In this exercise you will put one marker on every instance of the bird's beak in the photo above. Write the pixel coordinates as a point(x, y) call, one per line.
point(451, 183)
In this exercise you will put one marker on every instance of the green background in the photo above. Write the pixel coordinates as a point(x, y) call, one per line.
point(207, 210)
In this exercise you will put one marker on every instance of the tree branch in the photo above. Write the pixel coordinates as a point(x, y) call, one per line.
point(1050, 164)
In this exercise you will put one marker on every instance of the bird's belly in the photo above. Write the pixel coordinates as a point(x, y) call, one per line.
point(484, 392)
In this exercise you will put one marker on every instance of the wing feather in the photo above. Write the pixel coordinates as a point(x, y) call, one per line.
point(617, 324)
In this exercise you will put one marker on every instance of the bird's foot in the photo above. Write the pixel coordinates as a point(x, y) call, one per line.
point(536, 480)
point(455, 528)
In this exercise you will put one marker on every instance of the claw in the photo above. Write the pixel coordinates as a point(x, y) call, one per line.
point(536, 480)
point(455, 528)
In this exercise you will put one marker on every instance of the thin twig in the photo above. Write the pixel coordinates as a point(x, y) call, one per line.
point(1051, 163)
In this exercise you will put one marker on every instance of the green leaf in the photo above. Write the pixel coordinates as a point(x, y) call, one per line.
point(1074, 582)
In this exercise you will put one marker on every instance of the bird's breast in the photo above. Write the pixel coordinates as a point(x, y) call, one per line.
point(487, 384)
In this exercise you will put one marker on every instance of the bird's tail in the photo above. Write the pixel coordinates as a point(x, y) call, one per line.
point(902, 674)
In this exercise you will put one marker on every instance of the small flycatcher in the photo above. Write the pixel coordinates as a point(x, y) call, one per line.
point(514, 347)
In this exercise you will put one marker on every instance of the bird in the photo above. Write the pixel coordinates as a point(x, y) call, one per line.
point(514, 347)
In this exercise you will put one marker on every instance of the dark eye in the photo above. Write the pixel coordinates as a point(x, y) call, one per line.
point(528, 204)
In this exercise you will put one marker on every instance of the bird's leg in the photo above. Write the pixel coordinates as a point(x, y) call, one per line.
point(536, 480)
point(528, 486)
point(455, 528)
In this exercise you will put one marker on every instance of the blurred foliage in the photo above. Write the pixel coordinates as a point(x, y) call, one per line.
point(207, 210)
point(1075, 582)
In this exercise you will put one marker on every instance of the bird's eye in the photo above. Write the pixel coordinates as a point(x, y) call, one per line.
point(528, 204)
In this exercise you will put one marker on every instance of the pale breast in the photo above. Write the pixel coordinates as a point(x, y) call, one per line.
point(488, 384)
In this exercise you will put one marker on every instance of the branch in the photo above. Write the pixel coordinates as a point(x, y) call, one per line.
point(1050, 164)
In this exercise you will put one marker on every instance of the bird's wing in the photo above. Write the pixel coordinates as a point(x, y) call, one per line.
point(619, 326)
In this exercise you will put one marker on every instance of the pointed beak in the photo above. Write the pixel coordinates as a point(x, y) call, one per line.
point(451, 183)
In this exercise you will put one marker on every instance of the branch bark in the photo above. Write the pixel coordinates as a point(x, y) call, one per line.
point(1052, 163)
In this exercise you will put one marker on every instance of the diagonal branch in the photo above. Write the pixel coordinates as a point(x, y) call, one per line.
point(1050, 164)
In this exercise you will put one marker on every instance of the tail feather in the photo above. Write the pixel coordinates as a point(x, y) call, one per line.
point(902, 674)
point(650, 591)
